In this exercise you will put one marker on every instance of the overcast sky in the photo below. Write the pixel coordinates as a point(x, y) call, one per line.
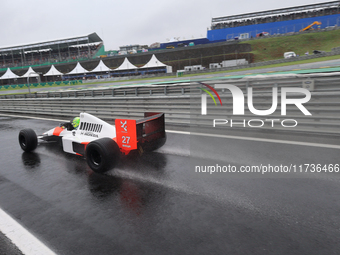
point(120, 23)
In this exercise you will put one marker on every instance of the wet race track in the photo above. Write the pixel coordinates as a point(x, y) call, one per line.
point(156, 204)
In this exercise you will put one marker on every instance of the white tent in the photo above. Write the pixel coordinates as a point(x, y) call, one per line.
point(101, 67)
point(30, 73)
point(9, 75)
point(126, 65)
point(53, 71)
point(153, 62)
point(78, 69)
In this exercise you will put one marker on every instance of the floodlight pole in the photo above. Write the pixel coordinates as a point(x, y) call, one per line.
point(28, 79)
point(28, 83)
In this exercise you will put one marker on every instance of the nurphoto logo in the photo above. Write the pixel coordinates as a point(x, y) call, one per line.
point(239, 105)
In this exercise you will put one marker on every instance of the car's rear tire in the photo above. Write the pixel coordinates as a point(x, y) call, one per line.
point(102, 154)
point(28, 139)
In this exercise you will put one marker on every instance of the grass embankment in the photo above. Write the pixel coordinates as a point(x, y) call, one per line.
point(314, 60)
point(273, 48)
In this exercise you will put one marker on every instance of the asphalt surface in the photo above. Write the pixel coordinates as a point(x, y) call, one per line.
point(158, 204)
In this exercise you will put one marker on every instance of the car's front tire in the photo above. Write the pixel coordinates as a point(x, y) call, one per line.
point(28, 139)
point(102, 155)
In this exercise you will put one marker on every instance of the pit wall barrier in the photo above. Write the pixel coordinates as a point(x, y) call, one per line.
point(181, 103)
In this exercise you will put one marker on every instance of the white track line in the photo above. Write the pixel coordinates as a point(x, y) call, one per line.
point(255, 139)
point(24, 240)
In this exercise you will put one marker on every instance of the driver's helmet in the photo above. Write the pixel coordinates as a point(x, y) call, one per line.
point(75, 122)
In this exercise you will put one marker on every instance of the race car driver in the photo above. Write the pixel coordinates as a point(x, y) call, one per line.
point(71, 125)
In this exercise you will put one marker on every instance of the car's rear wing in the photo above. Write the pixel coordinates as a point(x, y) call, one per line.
point(147, 133)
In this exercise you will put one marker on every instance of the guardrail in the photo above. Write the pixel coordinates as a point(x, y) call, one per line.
point(181, 103)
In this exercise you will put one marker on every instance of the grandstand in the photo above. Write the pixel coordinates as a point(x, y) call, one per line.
point(63, 50)
point(278, 21)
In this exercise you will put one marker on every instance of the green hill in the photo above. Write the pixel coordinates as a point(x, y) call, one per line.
point(273, 48)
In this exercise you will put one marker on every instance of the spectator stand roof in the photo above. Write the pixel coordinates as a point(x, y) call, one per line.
point(53, 72)
point(153, 62)
point(126, 65)
point(283, 11)
point(9, 75)
point(55, 44)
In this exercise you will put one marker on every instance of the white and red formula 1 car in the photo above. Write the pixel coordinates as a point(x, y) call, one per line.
point(101, 143)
